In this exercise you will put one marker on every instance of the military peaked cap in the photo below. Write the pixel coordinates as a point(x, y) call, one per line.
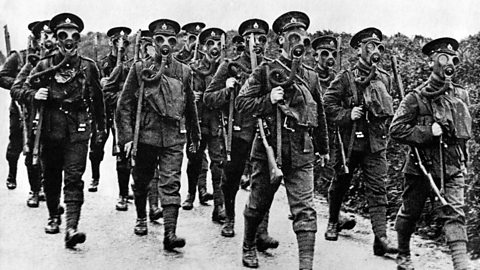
point(365, 35)
point(39, 27)
point(66, 20)
point(253, 26)
point(115, 32)
point(146, 35)
point(211, 33)
point(32, 25)
point(445, 45)
point(289, 20)
point(237, 40)
point(164, 27)
point(193, 28)
point(325, 42)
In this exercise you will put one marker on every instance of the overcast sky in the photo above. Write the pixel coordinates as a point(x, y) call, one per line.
point(431, 18)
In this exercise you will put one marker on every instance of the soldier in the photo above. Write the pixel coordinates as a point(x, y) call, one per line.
point(163, 128)
point(227, 81)
point(9, 72)
point(210, 124)
point(41, 32)
point(115, 70)
point(189, 55)
point(326, 52)
point(66, 87)
point(434, 119)
point(298, 102)
point(358, 102)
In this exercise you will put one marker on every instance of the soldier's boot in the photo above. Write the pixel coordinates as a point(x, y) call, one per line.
point(249, 249)
point(218, 214)
point(122, 203)
point(346, 223)
point(33, 200)
point(34, 179)
point(141, 227)
point(306, 247)
point(188, 203)
point(404, 262)
point(171, 240)
point(12, 174)
point(228, 226)
point(93, 187)
point(41, 195)
point(459, 255)
point(204, 196)
point(72, 236)
point(53, 225)
point(265, 241)
point(381, 244)
point(331, 234)
point(155, 212)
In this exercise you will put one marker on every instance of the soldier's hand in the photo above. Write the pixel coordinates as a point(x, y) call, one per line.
point(128, 148)
point(41, 94)
point(197, 95)
point(322, 159)
point(193, 147)
point(437, 129)
point(100, 137)
point(357, 113)
point(464, 170)
point(276, 95)
point(231, 82)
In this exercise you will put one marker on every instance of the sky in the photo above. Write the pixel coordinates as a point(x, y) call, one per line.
point(430, 18)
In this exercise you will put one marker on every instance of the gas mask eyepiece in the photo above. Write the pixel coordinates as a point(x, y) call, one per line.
point(68, 40)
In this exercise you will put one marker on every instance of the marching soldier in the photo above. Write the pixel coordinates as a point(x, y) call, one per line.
point(297, 100)
point(228, 79)
point(434, 120)
point(66, 88)
point(157, 133)
point(10, 70)
point(326, 53)
point(210, 123)
point(189, 55)
point(42, 34)
point(358, 102)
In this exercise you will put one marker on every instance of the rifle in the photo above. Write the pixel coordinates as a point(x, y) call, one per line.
point(227, 137)
point(95, 48)
point(116, 147)
point(7, 39)
point(339, 52)
point(276, 174)
point(136, 54)
point(446, 207)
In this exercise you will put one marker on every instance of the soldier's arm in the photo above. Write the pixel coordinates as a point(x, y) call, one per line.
point(9, 71)
point(111, 89)
point(333, 98)
point(404, 127)
point(29, 87)
point(254, 98)
point(217, 95)
point(97, 97)
point(17, 92)
point(191, 114)
point(321, 131)
point(126, 106)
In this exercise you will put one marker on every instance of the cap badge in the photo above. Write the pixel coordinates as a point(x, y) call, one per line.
point(67, 20)
point(197, 27)
point(293, 20)
point(122, 33)
point(449, 46)
point(374, 35)
point(332, 43)
point(164, 26)
point(45, 27)
point(212, 34)
point(255, 25)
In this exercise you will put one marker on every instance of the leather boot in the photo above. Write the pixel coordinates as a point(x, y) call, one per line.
point(228, 228)
point(122, 204)
point(382, 245)
point(155, 212)
point(53, 225)
point(171, 240)
point(12, 175)
point(141, 227)
point(33, 200)
point(74, 237)
point(218, 214)
point(378, 218)
point(264, 241)
point(331, 234)
point(346, 223)
point(204, 196)
point(93, 186)
point(188, 203)
point(249, 256)
point(404, 262)
point(41, 195)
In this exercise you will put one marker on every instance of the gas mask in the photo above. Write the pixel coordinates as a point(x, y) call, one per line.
point(259, 44)
point(325, 58)
point(444, 64)
point(68, 39)
point(164, 44)
point(123, 46)
point(48, 40)
point(213, 48)
point(371, 52)
point(294, 43)
point(189, 41)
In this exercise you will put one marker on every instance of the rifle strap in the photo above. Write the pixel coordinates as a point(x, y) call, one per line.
point(353, 88)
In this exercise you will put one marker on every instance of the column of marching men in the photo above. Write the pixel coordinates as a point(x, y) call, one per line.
point(280, 119)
